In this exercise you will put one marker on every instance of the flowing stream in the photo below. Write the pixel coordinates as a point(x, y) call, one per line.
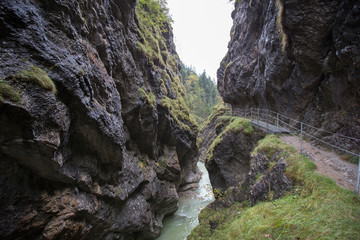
point(185, 219)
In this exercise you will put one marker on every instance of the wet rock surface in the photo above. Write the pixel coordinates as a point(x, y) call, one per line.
point(95, 160)
point(299, 59)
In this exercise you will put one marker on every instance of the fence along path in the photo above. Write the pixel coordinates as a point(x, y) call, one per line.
point(274, 122)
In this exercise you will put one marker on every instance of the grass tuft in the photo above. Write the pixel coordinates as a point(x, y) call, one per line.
point(38, 76)
point(8, 92)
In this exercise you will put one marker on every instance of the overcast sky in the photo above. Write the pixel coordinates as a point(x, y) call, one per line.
point(201, 32)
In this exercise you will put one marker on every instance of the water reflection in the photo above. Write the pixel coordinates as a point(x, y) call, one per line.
point(179, 225)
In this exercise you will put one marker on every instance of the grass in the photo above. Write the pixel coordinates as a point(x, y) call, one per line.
point(316, 208)
point(350, 158)
point(8, 92)
point(236, 125)
point(37, 76)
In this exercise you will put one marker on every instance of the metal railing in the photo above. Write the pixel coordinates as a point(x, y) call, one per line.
point(275, 122)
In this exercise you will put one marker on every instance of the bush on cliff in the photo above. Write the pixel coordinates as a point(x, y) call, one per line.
point(316, 208)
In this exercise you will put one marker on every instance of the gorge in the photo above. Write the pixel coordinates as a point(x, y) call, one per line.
point(97, 140)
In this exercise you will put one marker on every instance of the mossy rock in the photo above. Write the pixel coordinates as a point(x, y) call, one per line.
point(37, 76)
point(9, 93)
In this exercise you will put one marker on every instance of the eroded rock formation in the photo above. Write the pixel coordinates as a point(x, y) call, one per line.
point(103, 156)
point(301, 59)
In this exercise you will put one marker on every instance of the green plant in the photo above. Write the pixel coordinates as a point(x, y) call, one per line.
point(316, 208)
point(8, 92)
point(37, 76)
point(284, 39)
point(150, 97)
point(236, 125)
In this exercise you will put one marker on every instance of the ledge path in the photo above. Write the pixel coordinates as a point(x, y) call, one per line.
point(328, 163)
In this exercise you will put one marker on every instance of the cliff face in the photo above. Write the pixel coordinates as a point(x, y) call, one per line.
point(301, 59)
point(104, 154)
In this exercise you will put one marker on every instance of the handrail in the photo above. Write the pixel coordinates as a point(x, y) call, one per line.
point(257, 114)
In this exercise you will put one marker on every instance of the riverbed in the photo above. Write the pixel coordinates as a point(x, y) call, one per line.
point(179, 225)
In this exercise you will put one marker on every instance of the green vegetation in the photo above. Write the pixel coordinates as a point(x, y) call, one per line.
point(179, 112)
point(201, 93)
point(216, 113)
point(153, 24)
point(8, 92)
point(284, 40)
point(350, 158)
point(149, 97)
point(154, 21)
point(37, 76)
point(316, 208)
point(235, 125)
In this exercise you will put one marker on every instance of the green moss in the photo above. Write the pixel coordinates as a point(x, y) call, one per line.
point(37, 76)
point(8, 92)
point(153, 24)
point(236, 125)
point(316, 208)
point(179, 112)
point(149, 97)
point(284, 41)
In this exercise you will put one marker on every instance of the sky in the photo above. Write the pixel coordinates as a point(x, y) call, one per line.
point(201, 32)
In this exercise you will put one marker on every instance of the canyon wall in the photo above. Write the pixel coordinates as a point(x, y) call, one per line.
point(95, 138)
point(301, 59)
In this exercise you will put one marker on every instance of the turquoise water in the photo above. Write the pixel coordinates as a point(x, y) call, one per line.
point(179, 225)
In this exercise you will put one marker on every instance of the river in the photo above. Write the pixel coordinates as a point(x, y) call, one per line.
point(179, 225)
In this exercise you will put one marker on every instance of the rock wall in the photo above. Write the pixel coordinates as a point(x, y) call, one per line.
point(242, 164)
point(301, 59)
point(104, 155)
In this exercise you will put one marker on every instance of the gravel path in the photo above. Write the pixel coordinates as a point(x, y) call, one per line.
point(328, 163)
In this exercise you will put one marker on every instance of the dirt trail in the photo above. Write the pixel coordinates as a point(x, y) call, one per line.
point(328, 163)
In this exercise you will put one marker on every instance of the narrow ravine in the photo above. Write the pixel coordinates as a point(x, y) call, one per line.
point(179, 225)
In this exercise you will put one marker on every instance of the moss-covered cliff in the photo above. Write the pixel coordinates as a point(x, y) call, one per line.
point(95, 137)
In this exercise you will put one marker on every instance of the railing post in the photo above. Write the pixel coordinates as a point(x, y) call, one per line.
point(277, 122)
point(251, 114)
point(301, 136)
point(358, 179)
point(258, 115)
point(245, 113)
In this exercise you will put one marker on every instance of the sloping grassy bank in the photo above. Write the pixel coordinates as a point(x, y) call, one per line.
point(316, 208)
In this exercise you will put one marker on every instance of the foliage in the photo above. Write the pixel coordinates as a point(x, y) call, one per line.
point(37, 76)
point(316, 208)
point(8, 92)
point(201, 92)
